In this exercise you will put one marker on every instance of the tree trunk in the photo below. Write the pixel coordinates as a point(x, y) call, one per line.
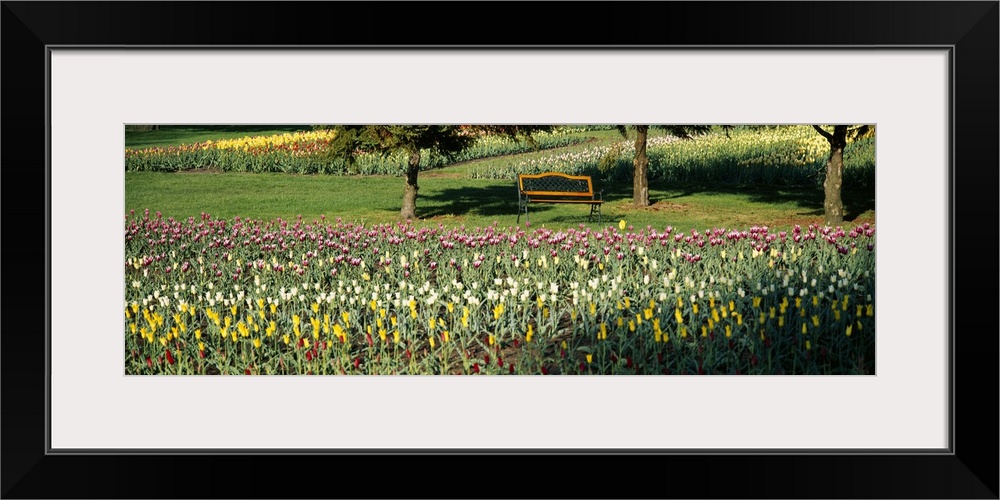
point(640, 175)
point(409, 210)
point(833, 205)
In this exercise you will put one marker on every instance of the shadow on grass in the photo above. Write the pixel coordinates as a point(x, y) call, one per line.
point(488, 201)
point(810, 199)
point(501, 201)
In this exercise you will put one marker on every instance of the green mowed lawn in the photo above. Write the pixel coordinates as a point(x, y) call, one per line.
point(450, 198)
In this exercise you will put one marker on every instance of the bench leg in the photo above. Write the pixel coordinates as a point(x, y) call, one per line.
point(593, 209)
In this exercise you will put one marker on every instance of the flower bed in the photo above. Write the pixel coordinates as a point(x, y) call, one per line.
point(305, 153)
point(207, 296)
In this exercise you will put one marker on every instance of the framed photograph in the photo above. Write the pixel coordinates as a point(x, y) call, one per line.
point(79, 423)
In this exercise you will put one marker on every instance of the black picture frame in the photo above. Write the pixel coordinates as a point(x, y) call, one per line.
point(969, 28)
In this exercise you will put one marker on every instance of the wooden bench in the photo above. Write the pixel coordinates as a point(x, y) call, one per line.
point(555, 187)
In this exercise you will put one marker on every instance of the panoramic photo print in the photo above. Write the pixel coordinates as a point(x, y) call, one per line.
point(499, 249)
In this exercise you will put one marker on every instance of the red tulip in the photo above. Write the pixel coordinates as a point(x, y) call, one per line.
point(170, 357)
point(149, 362)
point(475, 367)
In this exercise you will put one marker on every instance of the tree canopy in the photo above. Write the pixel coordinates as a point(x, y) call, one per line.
point(446, 140)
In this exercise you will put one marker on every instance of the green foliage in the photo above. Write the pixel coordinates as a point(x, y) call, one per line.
point(207, 295)
point(164, 136)
point(457, 200)
point(176, 158)
point(484, 147)
point(780, 156)
point(229, 161)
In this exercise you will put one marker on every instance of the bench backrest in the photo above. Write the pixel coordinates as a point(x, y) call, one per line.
point(555, 184)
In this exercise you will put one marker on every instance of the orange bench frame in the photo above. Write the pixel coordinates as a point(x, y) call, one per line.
point(557, 187)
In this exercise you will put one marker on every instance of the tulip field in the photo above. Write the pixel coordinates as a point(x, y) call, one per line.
point(302, 153)
point(325, 297)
